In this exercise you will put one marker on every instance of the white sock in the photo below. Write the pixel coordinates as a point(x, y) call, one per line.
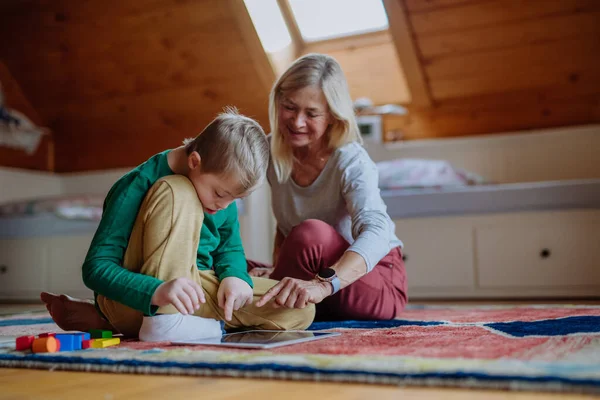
point(178, 327)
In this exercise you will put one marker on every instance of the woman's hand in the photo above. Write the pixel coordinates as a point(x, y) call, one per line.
point(296, 293)
point(233, 294)
point(182, 293)
point(260, 272)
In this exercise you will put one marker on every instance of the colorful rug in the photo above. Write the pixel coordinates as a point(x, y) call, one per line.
point(544, 348)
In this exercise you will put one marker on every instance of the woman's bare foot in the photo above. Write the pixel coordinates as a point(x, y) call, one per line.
point(72, 314)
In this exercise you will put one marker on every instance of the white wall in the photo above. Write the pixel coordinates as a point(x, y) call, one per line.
point(91, 182)
point(544, 155)
point(17, 184)
point(257, 225)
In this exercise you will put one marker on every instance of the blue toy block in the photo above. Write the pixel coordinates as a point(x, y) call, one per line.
point(77, 339)
point(67, 341)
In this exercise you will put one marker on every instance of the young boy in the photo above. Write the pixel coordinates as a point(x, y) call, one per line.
point(167, 261)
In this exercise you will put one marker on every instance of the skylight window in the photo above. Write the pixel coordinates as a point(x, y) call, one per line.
point(328, 19)
point(269, 24)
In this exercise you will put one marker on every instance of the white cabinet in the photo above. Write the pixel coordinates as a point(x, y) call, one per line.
point(31, 265)
point(23, 264)
point(438, 254)
point(513, 255)
point(562, 251)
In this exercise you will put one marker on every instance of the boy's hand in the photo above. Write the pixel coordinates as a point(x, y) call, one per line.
point(183, 293)
point(233, 294)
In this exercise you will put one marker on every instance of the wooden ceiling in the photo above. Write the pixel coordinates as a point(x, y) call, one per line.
point(118, 81)
point(487, 66)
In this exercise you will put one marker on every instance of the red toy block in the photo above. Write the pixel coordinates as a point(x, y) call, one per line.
point(86, 344)
point(47, 334)
point(24, 342)
point(45, 345)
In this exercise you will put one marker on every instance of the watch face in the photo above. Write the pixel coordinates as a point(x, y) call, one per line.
point(327, 273)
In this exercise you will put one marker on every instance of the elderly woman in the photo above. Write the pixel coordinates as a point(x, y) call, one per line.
point(335, 244)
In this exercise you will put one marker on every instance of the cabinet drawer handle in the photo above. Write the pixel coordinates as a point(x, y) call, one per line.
point(3, 269)
point(545, 253)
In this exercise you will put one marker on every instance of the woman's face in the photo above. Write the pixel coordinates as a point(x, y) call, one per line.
point(304, 117)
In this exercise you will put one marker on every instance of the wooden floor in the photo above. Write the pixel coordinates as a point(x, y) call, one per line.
point(34, 384)
point(31, 384)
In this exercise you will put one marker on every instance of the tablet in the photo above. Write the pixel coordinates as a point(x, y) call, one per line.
point(260, 339)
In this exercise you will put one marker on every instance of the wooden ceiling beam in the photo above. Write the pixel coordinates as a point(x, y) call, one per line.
point(292, 25)
point(406, 48)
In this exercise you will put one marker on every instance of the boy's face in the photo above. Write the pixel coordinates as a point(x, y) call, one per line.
point(216, 192)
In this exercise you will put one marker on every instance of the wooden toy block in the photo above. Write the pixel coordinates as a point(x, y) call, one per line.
point(47, 344)
point(68, 341)
point(78, 338)
point(100, 334)
point(102, 343)
point(87, 343)
point(47, 334)
point(77, 341)
point(24, 342)
point(85, 336)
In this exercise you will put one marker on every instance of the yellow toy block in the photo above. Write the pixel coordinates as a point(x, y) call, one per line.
point(102, 343)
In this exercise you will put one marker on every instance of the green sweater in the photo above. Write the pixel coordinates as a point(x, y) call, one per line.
point(220, 246)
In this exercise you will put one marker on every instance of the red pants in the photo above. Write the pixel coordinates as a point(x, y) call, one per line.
point(314, 245)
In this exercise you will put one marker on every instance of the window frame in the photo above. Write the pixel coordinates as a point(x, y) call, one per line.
point(302, 46)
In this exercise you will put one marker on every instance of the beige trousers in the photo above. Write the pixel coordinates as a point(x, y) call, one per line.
point(164, 243)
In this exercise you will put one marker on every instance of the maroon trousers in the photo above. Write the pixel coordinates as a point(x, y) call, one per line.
point(314, 245)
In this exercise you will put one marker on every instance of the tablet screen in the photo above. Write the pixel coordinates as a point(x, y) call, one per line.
point(262, 339)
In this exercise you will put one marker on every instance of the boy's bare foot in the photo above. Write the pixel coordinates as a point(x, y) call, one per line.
point(72, 314)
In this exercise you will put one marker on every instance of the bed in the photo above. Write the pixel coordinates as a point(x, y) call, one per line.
point(487, 199)
point(518, 240)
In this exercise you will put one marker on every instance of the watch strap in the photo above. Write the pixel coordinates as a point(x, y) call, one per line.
point(335, 283)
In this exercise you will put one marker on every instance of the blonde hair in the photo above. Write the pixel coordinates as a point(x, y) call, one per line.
point(324, 72)
point(233, 144)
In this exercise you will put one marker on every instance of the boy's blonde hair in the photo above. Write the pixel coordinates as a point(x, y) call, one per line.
point(324, 72)
point(233, 144)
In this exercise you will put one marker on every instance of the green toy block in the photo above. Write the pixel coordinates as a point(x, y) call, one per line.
point(100, 334)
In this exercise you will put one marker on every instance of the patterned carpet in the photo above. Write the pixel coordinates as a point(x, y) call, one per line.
point(543, 348)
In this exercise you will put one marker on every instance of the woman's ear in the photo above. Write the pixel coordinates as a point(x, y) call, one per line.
point(194, 160)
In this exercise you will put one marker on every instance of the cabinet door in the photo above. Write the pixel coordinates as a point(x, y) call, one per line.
point(559, 249)
point(22, 268)
point(438, 255)
point(65, 258)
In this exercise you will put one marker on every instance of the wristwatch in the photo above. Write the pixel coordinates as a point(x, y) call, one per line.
point(329, 275)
